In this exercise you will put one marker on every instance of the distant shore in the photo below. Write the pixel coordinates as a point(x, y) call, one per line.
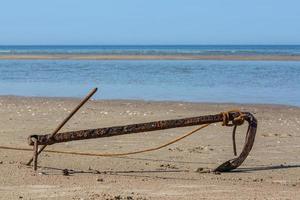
point(148, 57)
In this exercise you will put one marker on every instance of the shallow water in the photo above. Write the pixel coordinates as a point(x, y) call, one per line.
point(276, 82)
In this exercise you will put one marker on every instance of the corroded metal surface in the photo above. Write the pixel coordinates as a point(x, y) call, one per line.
point(229, 165)
point(249, 141)
point(92, 92)
point(127, 129)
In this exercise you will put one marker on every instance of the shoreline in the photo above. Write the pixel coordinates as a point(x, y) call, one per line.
point(145, 101)
point(150, 57)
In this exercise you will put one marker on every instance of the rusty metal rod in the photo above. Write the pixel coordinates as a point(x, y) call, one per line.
point(160, 125)
point(92, 92)
point(249, 141)
point(48, 139)
point(35, 154)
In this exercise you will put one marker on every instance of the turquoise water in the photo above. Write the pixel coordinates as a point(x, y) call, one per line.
point(197, 81)
point(156, 50)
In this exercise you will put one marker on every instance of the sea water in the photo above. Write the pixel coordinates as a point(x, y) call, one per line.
point(271, 82)
point(290, 50)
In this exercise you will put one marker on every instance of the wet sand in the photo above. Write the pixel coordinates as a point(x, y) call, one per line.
point(148, 57)
point(272, 171)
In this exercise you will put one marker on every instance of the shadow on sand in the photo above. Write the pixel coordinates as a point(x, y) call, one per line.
point(158, 173)
point(265, 168)
point(132, 173)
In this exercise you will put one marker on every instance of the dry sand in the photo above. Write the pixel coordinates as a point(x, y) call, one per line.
point(272, 171)
point(148, 57)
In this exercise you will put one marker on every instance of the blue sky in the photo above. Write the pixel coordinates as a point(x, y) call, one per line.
point(149, 22)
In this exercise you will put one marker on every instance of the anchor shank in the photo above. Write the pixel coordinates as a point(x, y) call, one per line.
point(49, 139)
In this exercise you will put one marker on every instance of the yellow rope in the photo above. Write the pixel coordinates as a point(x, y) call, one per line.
point(236, 122)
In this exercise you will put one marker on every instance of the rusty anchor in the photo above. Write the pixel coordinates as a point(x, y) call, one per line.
point(231, 118)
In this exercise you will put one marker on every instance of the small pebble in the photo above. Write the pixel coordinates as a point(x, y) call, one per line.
point(100, 180)
point(200, 169)
point(217, 173)
point(66, 172)
point(118, 197)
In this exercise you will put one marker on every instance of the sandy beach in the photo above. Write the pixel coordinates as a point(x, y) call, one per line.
point(148, 57)
point(142, 68)
point(270, 172)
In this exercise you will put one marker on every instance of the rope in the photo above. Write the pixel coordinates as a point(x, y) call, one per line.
point(235, 122)
point(115, 154)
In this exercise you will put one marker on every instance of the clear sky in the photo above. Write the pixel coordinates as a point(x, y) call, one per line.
point(28, 22)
